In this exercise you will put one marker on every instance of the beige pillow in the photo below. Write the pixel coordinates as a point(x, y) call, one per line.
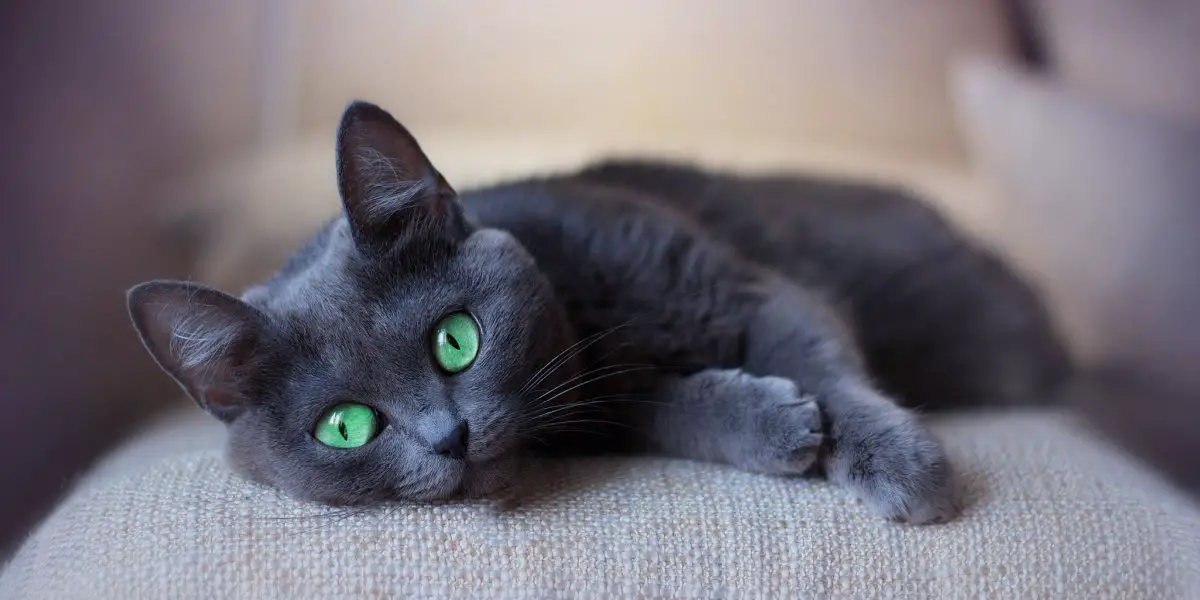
point(1102, 205)
point(1136, 52)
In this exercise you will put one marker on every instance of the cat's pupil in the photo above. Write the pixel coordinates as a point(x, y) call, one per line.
point(342, 430)
point(453, 342)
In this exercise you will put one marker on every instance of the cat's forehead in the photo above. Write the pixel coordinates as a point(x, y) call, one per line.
point(331, 295)
point(329, 285)
point(316, 279)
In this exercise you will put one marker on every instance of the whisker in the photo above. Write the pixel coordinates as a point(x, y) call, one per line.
point(336, 512)
point(579, 430)
point(574, 350)
point(555, 425)
point(326, 519)
point(595, 401)
point(566, 355)
point(594, 380)
point(540, 400)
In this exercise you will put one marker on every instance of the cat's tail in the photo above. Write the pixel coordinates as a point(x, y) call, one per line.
point(966, 332)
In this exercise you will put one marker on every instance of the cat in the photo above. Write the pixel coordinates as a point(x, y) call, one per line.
point(424, 341)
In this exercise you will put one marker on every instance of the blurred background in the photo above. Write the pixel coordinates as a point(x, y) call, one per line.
point(173, 138)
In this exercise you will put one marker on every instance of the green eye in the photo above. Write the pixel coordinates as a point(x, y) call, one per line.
point(347, 425)
point(455, 342)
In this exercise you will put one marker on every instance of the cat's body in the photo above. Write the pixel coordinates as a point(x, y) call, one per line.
point(763, 322)
point(941, 322)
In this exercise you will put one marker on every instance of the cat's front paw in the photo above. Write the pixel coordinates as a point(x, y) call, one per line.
point(784, 434)
point(895, 465)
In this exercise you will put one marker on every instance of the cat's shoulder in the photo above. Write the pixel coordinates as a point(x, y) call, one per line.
point(562, 200)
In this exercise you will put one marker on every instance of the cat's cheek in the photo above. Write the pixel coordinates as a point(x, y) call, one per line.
point(243, 464)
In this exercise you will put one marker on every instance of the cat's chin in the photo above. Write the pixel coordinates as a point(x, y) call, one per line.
point(477, 480)
point(490, 479)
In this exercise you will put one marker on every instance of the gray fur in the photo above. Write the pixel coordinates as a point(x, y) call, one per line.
point(772, 323)
point(760, 424)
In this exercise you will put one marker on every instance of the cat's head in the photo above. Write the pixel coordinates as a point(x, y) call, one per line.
point(390, 359)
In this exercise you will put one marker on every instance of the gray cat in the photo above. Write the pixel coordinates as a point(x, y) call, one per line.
point(424, 341)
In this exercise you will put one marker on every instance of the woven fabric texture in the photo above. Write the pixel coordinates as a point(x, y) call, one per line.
point(1052, 513)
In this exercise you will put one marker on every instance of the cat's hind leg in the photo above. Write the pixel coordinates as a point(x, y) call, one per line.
point(879, 450)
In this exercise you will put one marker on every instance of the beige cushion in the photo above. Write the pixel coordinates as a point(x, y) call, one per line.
point(857, 72)
point(1100, 204)
point(1052, 513)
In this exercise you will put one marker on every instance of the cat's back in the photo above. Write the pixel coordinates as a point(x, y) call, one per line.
point(824, 231)
point(942, 319)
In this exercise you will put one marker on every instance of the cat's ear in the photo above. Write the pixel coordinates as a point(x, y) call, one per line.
point(202, 338)
point(392, 194)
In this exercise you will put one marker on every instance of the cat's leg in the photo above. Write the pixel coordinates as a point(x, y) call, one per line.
point(880, 451)
point(760, 424)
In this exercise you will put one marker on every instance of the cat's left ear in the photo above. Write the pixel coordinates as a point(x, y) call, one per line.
point(390, 190)
point(204, 339)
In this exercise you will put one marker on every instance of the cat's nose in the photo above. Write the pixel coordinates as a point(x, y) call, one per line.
point(445, 433)
point(453, 443)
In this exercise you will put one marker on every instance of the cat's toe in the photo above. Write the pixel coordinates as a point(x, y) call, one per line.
point(790, 427)
point(899, 470)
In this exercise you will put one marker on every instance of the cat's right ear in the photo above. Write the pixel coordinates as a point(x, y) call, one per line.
point(202, 338)
point(390, 190)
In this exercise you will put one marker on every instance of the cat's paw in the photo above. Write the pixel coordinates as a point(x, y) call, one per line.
point(783, 433)
point(895, 465)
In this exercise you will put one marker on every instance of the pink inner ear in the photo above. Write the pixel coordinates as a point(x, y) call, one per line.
point(439, 206)
point(220, 396)
point(200, 336)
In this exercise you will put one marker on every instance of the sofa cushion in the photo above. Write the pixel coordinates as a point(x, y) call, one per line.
point(1138, 54)
point(1099, 205)
point(1051, 513)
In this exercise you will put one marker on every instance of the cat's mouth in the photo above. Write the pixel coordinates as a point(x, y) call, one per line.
point(466, 481)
